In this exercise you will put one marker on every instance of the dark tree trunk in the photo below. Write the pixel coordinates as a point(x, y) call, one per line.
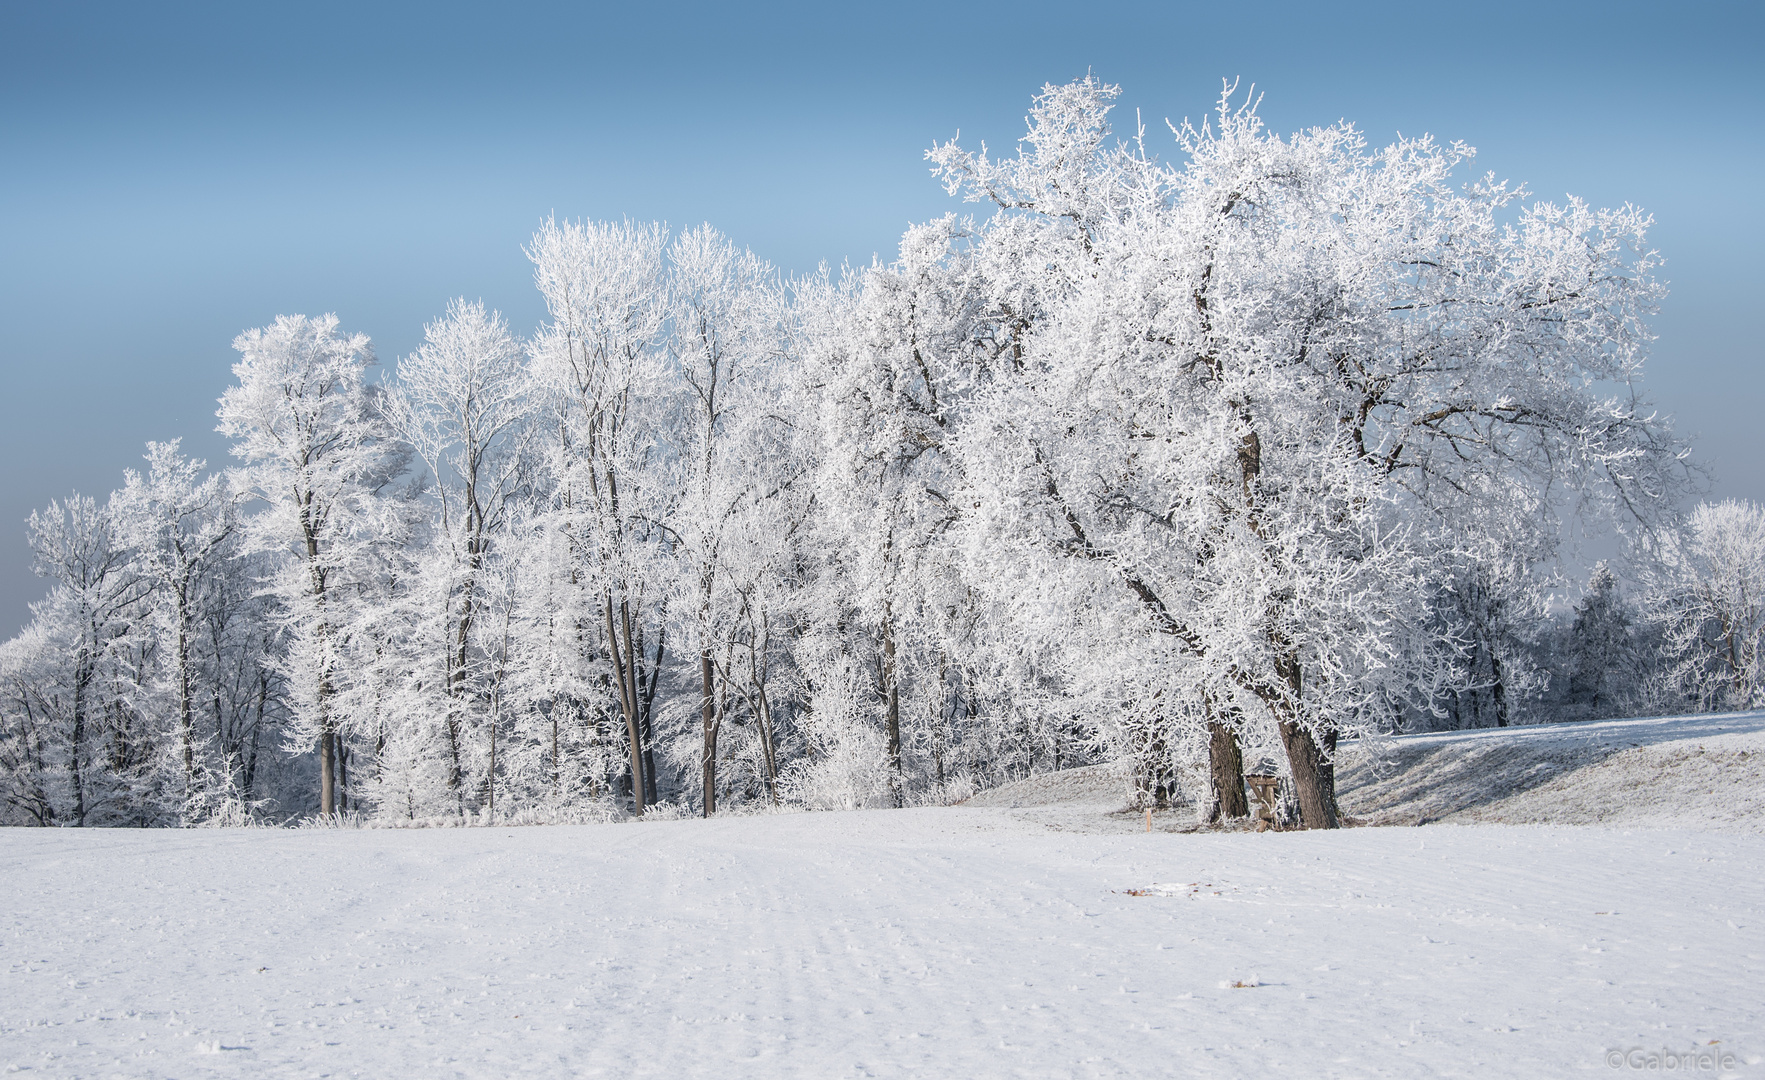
point(186, 708)
point(649, 760)
point(74, 779)
point(327, 733)
point(1225, 772)
point(247, 786)
point(490, 778)
point(1314, 774)
point(625, 667)
point(85, 667)
point(1498, 691)
point(1311, 765)
point(892, 694)
point(647, 709)
point(250, 776)
point(452, 725)
point(342, 774)
point(708, 715)
point(327, 772)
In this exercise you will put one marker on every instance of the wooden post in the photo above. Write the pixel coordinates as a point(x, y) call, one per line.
point(1149, 819)
point(1263, 787)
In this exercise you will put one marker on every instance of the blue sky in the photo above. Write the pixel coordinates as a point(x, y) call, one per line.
point(172, 174)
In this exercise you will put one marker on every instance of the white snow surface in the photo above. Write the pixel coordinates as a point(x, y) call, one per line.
point(935, 942)
point(1699, 772)
point(1696, 772)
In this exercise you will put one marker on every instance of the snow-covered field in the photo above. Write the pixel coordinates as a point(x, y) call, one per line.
point(941, 942)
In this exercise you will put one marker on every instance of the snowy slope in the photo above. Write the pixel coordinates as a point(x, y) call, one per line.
point(1702, 772)
point(1696, 772)
point(958, 942)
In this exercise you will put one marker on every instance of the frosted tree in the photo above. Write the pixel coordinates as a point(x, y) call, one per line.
point(143, 680)
point(1488, 610)
point(727, 331)
point(314, 448)
point(1709, 591)
point(1603, 663)
point(179, 524)
point(389, 639)
point(239, 644)
point(892, 372)
point(556, 756)
point(462, 401)
point(1262, 377)
point(93, 671)
point(599, 362)
point(36, 751)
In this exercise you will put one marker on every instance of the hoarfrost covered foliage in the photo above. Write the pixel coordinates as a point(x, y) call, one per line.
point(1710, 597)
point(1191, 463)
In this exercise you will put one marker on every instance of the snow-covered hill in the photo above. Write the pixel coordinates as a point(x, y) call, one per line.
point(1697, 772)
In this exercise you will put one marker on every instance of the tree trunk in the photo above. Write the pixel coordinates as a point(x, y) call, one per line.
point(452, 725)
point(639, 761)
point(263, 696)
point(708, 716)
point(623, 666)
point(1499, 691)
point(490, 778)
point(74, 779)
point(327, 772)
point(1225, 773)
point(456, 676)
point(1313, 766)
point(1314, 774)
point(892, 692)
point(646, 708)
point(327, 732)
point(650, 797)
point(250, 775)
point(186, 711)
point(766, 744)
point(85, 668)
point(342, 758)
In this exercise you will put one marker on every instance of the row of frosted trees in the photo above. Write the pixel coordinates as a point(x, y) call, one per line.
point(1182, 463)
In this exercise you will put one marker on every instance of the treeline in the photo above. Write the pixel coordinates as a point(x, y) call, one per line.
point(1201, 464)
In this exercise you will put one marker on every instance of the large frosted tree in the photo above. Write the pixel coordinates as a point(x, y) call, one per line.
point(462, 401)
point(599, 365)
point(1257, 380)
point(314, 448)
point(179, 524)
point(77, 673)
point(1709, 593)
point(725, 341)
